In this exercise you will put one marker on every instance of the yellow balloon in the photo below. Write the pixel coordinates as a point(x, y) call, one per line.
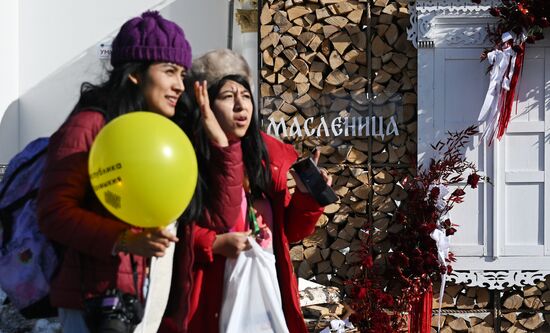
point(143, 169)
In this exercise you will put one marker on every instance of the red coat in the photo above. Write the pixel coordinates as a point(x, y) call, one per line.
point(70, 214)
point(224, 204)
point(294, 217)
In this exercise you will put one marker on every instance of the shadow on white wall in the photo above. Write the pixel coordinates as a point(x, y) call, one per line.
point(43, 106)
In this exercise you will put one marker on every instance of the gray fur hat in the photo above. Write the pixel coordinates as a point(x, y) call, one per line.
point(216, 64)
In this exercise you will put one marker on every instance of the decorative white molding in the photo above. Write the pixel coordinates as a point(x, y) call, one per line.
point(454, 7)
point(497, 280)
point(412, 31)
point(453, 34)
point(467, 36)
point(449, 22)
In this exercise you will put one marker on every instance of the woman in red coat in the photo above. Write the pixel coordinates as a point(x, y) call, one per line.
point(150, 56)
point(283, 217)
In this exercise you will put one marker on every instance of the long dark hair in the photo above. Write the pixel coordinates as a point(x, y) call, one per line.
point(256, 163)
point(187, 117)
point(118, 96)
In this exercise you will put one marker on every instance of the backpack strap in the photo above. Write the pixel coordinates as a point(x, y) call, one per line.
point(24, 165)
point(6, 221)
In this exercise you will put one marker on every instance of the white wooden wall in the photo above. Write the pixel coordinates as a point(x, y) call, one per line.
point(506, 225)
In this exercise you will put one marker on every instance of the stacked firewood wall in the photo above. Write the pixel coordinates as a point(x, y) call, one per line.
point(479, 310)
point(346, 58)
point(464, 309)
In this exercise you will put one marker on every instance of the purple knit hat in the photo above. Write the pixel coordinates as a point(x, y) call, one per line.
point(151, 38)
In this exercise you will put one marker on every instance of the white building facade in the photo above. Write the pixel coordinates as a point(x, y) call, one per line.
point(504, 227)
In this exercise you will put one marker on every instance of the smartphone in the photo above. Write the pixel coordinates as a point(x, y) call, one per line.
point(312, 178)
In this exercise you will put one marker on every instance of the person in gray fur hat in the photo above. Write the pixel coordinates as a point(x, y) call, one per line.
point(269, 213)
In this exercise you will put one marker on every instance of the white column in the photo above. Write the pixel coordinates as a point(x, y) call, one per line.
point(245, 36)
point(250, 52)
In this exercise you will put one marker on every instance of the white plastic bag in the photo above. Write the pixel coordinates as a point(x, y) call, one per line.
point(251, 300)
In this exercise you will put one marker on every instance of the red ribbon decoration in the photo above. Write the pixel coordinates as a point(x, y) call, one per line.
point(507, 97)
point(420, 316)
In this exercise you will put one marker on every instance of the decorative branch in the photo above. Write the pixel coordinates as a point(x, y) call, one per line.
point(392, 282)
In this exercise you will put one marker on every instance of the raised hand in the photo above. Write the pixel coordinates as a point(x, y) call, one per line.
point(211, 125)
point(300, 185)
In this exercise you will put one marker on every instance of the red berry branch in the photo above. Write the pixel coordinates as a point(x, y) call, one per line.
point(393, 281)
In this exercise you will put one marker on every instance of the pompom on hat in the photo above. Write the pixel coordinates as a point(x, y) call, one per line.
point(150, 37)
point(217, 64)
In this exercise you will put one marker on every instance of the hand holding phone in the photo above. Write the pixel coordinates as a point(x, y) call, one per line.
point(311, 177)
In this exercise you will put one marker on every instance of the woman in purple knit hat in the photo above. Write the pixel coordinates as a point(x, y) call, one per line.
point(105, 282)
